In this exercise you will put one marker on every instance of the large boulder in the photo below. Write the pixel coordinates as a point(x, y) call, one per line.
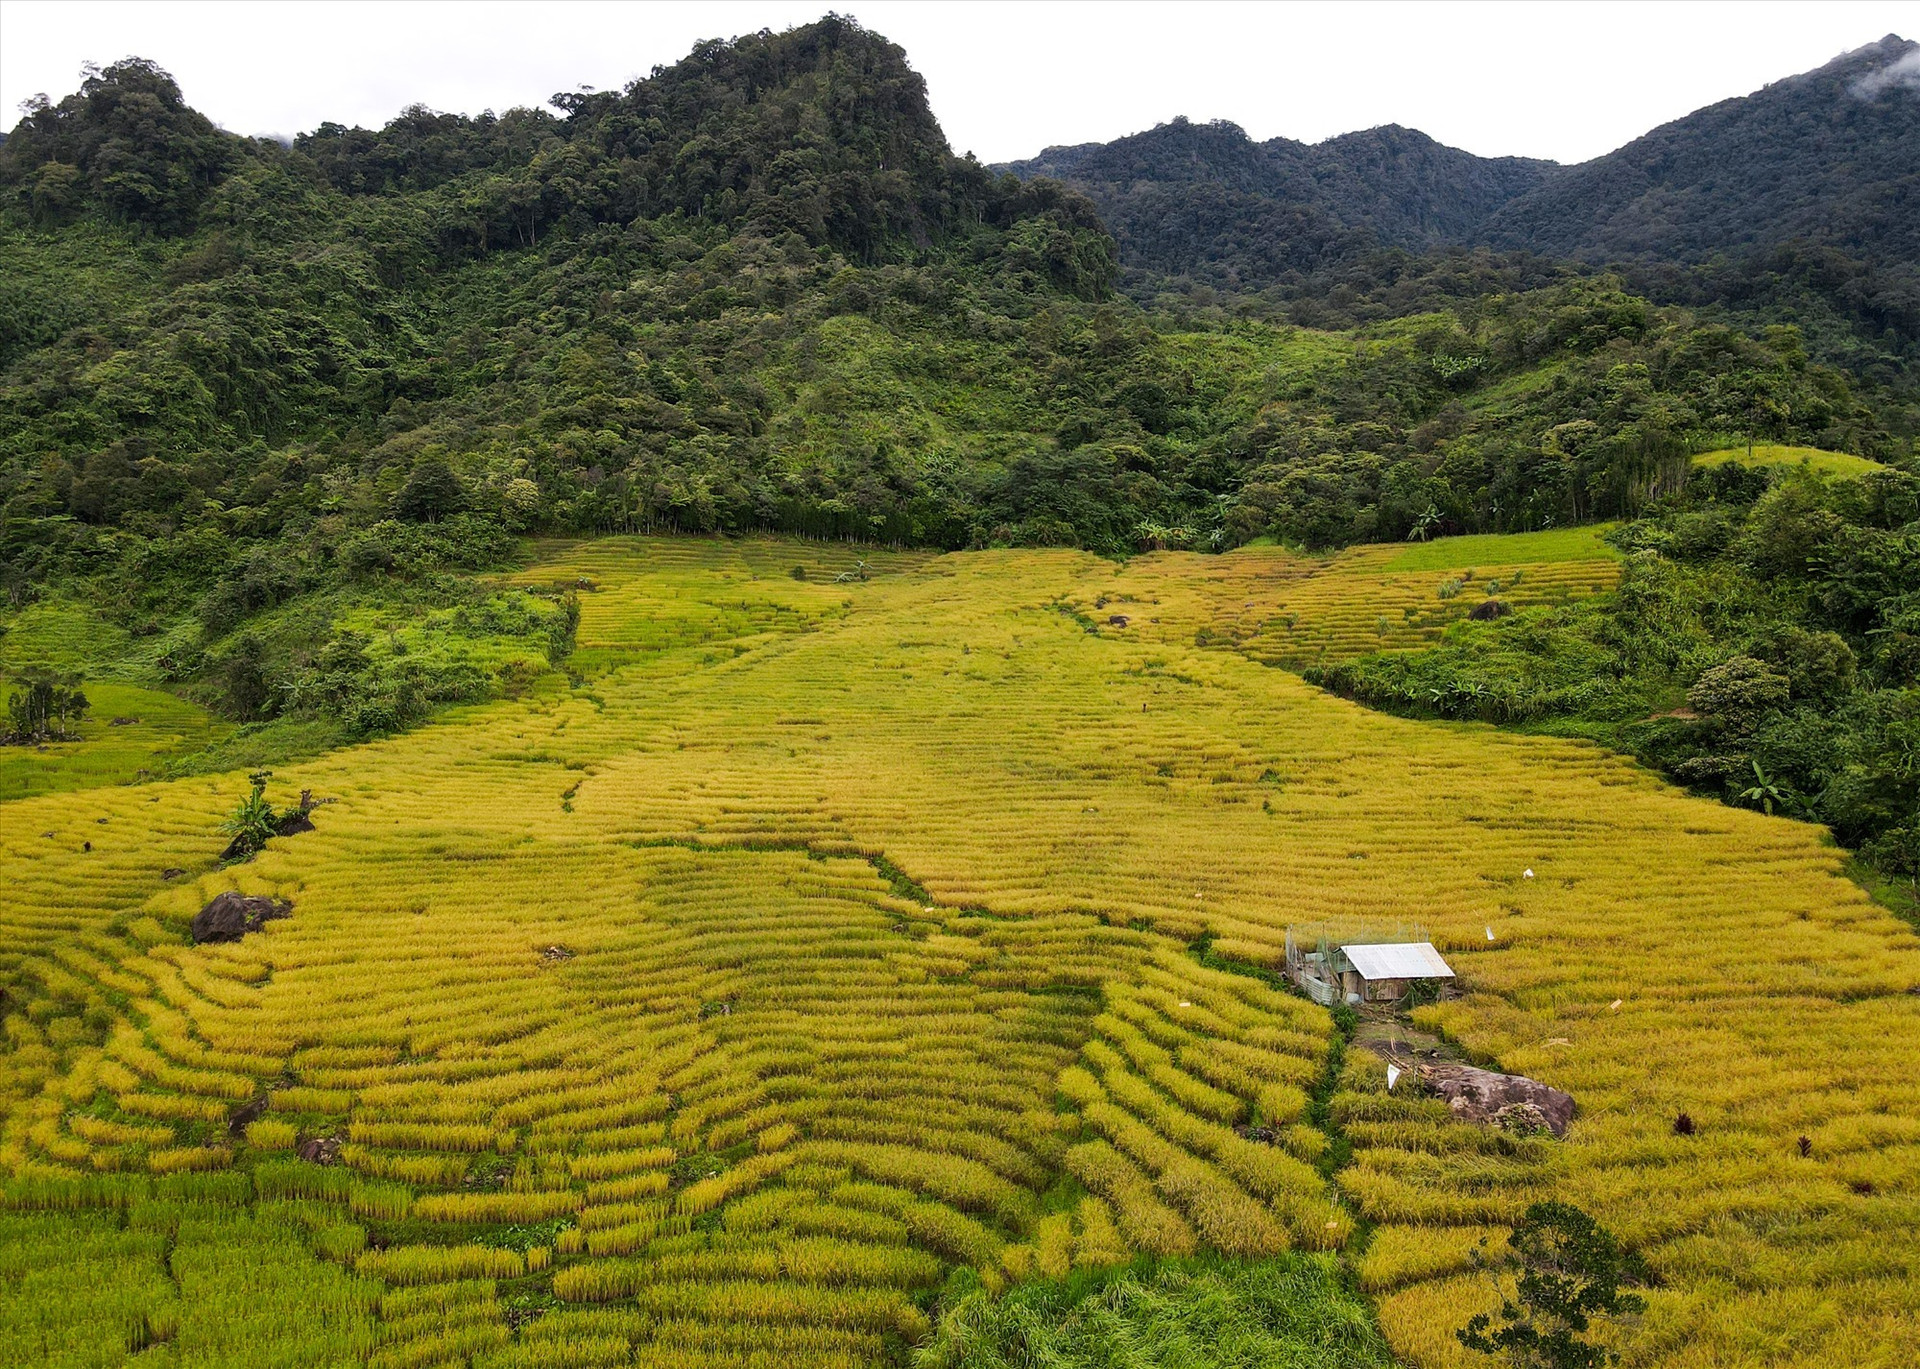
point(1511, 1101)
point(231, 916)
point(320, 1150)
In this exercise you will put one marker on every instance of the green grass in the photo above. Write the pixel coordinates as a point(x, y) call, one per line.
point(1827, 463)
point(188, 1283)
point(153, 729)
point(1586, 543)
point(464, 644)
point(1209, 1313)
point(61, 634)
point(252, 745)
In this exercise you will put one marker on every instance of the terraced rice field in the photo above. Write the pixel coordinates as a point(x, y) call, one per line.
point(1292, 610)
point(826, 935)
point(133, 728)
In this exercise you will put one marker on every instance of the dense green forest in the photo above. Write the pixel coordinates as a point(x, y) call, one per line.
point(1748, 209)
point(1206, 202)
point(1763, 646)
point(264, 405)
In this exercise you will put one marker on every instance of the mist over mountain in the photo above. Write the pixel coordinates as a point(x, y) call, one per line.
point(1831, 157)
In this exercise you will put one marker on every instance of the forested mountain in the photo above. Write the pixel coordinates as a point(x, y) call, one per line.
point(1205, 200)
point(1797, 204)
point(1830, 157)
point(260, 402)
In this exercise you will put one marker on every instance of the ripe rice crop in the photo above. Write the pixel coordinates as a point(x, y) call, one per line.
point(103, 1132)
point(644, 1184)
point(405, 1264)
point(299, 1099)
point(1147, 1223)
point(422, 1136)
point(576, 1352)
point(298, 1179)
point(530, 1208)
point(411, 1169)
point(821, 929)
point(271, 1134)
point(388, 1202)
point(173, 1159)
point(610, 1163)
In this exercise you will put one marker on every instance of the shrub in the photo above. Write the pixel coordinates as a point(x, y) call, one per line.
point(254, 822)
point(1567, 1270)
point(44, 706)
point(1284, 1310)
point(1737, 693)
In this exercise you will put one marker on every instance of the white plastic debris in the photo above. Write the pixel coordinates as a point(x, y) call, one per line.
point(1615, 1005)
point(1393, 1077)
point(1185, 1004)
point(1527, 873)
point(1489, 933)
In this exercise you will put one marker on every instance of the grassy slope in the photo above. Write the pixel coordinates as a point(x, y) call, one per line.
point(1285, 609)
point(141, 725)
point(132, 733)
point(1107, 794)
point(133, 730)
point(1511, 549)
point(1827, 463)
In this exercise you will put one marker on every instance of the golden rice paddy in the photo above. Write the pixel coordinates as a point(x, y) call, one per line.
point(826, 934)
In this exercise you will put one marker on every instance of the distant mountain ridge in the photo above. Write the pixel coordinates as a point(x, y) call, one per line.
point(1405, 187)
point(1205, 201)
point(1829, 158)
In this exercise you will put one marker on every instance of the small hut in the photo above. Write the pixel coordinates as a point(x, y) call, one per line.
point(1380, 972)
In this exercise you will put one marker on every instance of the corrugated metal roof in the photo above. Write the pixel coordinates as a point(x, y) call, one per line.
point(1398, 960)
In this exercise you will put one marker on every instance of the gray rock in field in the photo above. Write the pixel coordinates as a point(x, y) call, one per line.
point(231, 916)
point(1477, 1095)
point(320, 1150)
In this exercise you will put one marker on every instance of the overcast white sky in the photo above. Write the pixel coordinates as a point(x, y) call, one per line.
point(1561, 80)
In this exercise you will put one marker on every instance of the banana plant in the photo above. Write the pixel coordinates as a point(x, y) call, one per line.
point(1765, 794)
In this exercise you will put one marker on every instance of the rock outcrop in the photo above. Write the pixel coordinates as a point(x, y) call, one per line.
point(231, 916)
point(1510, 1101)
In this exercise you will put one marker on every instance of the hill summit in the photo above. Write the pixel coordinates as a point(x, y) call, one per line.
point(1208, 200)
point(1831, 156)
point(1799, 203)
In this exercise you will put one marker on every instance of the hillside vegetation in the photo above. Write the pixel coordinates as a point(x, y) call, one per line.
point(1790, 205)
point(265, 408)
point(1764, 454)
point(1761, 647)
point(717, 1007)
point(762, 703)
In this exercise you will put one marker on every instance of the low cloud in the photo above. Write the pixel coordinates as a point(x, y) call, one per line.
point(1905, 72)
